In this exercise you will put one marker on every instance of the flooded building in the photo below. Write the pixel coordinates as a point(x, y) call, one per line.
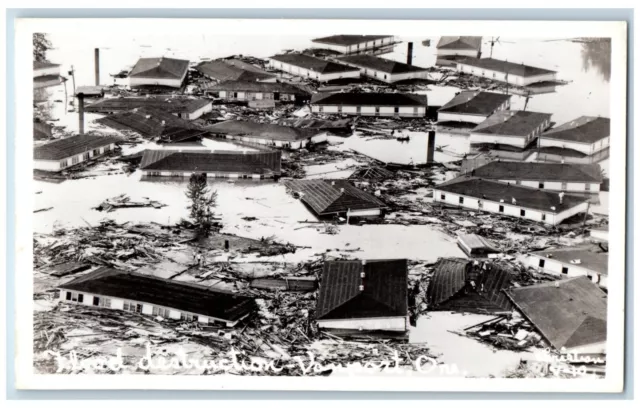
point(244, 91)
point(186, 108)
point(384, 70)
point(70, 151)
point(46, 74)
point(510, 128)
point(147, 121)
point(266, 134)
point(358, 44)
point(508, 199)
point(462, 285)
point(336, 198)
point(583, 140)
point(151, 296)
point(370, 104)
point(504, 71)
point(473, 107)
point(452, 47)
point(571, 178)
point(228, 70)
point(367, 295)
point(307, 66)
point(586, 260)
point(214, 163)
point(163, 71)
point(570, 314)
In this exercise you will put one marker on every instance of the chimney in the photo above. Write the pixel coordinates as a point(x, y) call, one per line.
point(81, 114)
point(342, 190)
point(333, 183)
point(163, 123)
point(364, 262)
point(409, 53)
point(561, 195)
point(431, 146)
point(513, 200)
point(97, 65)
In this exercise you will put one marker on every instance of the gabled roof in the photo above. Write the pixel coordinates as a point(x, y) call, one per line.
point(262, 130)
point(333, 196)
point(169, 104)
point(448, 288)
point(505, 66)
point(253, 86)
point(380, 64)
point(44, 64)
point(591, 257)
point(312, 63)
point(504, 170)
point(182, 296)
point(172, 134)
point(475, 103)
point(146, 120)
point(568, 313)
point(525, 197)
point(263, 162)
point(460, 43)
point(383, 294)
point(344, 39)
point(585, 129)
point(162, 67)
point(369, 99)
point(222, 70)
point(71, 146)
point(512, 123)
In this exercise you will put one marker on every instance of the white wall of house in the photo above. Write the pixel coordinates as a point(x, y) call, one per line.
point(586, 148)
point(44, 84)
point(173, 83)
point(59, 165)
point(516, 141)
point(403, 111)
point(595, 348)
point(253, 96)
point(197, 113)
point(460, 117)
point(373, 212)
point(307, 73)
point(556, 267)
point(398, 323)
point(363, 46)
point(557, 185)
point(159, 173)
point(503, 76)
point(386, 76)
point(46, 71)
point(441, 52)
point(602, 235)
point(319, 138)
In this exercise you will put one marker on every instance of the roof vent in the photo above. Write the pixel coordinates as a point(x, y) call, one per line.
point(362, 274)
point(364, 261)
point(501, 200)
point(342, 190)
point(553, 208)
point(333, 183)
point(576, 261)
point(513, 200)
point(561, 196)
point(147, 116)
point(163, 123)
point(361, 288)
point(135, 109)
point(557, 284)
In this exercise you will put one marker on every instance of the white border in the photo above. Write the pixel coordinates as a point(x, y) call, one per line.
point(530, 29)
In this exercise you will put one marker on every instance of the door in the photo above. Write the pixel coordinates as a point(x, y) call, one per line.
point(276, 96)
point(96, 301)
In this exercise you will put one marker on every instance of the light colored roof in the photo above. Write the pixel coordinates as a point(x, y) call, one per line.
point(591, 257)
point(475, 103)
point(507, 170)
point(262, 130)
point(162, 67)
point(344, 39)
point(504, 66)
point(313, 64)
point(512, 123)
point(460, 43)
point(585, 129)
point(380, 64)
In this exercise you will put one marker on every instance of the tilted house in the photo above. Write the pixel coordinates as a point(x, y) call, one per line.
point(473, 107)
point(451, 288)
point(382, 69)
point(476, 246)
point(214, 163)
point(147, 121)
point(576, 140)
point(185, 108)
point(508, 199)
point(584, 260)
point(148, 295)
point(225, 70)
point(459, 46)
point(570, 314)
point(510, 128)
point(266, 134)
point(370, 104)
point(163, 71)
point(572, 178)
point(358, 44)
point(330, 198)
point(504, 71)
point(311, 67)
point(241, 91)
point(367, 295)
point(70, 151)
point(45, 74)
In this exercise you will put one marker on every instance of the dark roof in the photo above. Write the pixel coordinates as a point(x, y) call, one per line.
point(327, 196)
point(512, 123)
point(344, 39)
point(495, 191)
point(591, 257)
point(475, 103)
point(384, 291)
point(262, 130)
point(171, 134)
point(263, 162)
point(162, 67)
point(460, 43)
point(244, 65)
point(71, 146)
point(41, 130)
point(146, 121)
point(504, 66)
point(369, 99)
point(558, 151)
point(169, 104)
point(312, 63)
point(446, 289)
point(225, 71)
point(568, 313)
point(585, 129)
point(182, 296)
point(380, 64)
point(248, 86)
point(504, 170)
point(44, 64)
point(89, 90)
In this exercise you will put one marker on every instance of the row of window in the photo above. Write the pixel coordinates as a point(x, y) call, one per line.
point(565, 269)
point(85, 156)
point(209, 175)
point(587, 186)
point(97, 301)
point(396, 109)
point(523, 213)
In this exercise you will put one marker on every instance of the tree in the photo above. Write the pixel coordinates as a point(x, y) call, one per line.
point(41, 45)
point(203, 202)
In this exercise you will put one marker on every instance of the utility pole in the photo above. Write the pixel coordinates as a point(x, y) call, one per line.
point(584, 221)
point(73, 76)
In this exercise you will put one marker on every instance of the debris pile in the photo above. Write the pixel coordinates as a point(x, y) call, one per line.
point(514, 333)
point(123, 201)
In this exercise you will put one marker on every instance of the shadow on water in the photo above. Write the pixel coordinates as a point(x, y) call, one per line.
point(596, 54)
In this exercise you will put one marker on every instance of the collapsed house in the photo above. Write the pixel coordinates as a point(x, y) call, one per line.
point(163, 72)
point(214, 163)
point(370, 104)
point(462, 285)
point(382, 69)
point(41, 130)
point(454, 47)
point(46, 74)
point(226, 70)
point(582, 140)
point(358, 44)
point(148, 295)
point(367, 295)
point(570, 314)
point(185, 108)
point(307, 66)
point(247, 91)
point(473, 107)
point(504, 71)
point(476, 246)
point(70, 151)
point(266, 134)
point(147, 121)
point(336, 198)
point(508, 199)
point(591, 261)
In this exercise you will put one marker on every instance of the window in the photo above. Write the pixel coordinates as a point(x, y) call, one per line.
point(339, 109)
point(385, 76)
point(442, 196)
point(541, 263)
point(138, 308)
point(86, 156)
point(564, 186)
point(358, 109)
point(96, 301)
point(188, 317)
point(377, 110)
point(161, 311)
point(320, 109)
point(80, 298)
point(105, 302)
point(544, 217)
point(565, 270)
point(461, 200)
point(518, 182)
point(68, 296)
point(74, 297)
point(75, 160)
point(540, 185)
point(494, 74)
point(396, 110)
point(501, 208)
point(235, 94)
point(522, 213)
point(63, 163)
point(96, 152)
point(375, 73)
point(587, 187)
point(415, 110)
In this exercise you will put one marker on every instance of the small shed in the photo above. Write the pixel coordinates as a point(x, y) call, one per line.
point(476, 246)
